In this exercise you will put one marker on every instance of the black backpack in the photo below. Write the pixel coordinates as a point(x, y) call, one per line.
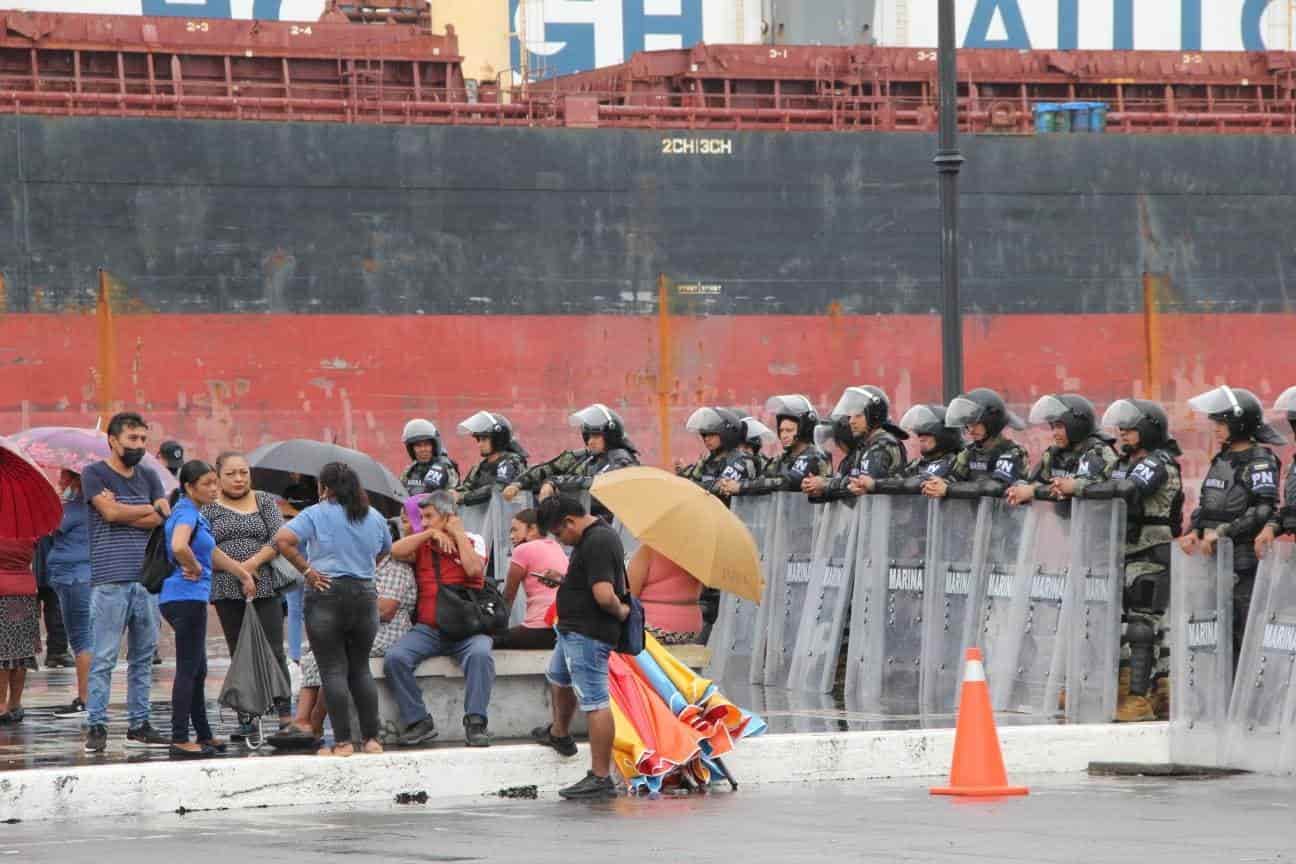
point(157, 561)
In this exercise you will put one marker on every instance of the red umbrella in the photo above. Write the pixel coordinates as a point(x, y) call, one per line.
point(29, 503)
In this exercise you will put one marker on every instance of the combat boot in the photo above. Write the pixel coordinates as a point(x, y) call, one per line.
point(1161, 698)
point(1129, 707)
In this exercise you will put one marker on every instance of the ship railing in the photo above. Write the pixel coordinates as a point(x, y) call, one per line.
point(387, 103)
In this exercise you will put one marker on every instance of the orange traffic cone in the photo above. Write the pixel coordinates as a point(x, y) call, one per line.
point(978, 769)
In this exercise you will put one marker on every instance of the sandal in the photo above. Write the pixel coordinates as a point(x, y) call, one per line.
point(216, 745)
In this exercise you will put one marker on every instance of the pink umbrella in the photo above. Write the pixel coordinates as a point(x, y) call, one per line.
point(29, 503)
point(73, 448)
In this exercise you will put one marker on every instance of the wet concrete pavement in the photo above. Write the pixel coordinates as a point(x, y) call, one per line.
point(1065, 819)
point(43, 741)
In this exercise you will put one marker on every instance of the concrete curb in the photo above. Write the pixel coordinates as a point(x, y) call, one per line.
point(162, 787)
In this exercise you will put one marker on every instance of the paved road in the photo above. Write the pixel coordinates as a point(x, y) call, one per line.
point(1243, 819)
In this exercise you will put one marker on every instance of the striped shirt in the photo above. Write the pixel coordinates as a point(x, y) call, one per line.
point(117, 549)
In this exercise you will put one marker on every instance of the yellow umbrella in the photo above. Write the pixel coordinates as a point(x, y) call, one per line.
point(686, 524)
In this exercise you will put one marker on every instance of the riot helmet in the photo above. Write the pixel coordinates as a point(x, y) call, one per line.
point(983, 406)
point(418, 430)
point(484, 424)
point(717, 421)
point(756, 434)
point(930, 420)
point(1074, 412)
point(598, 419)
point(1238, 409)
point(1287, 403)
point(868, 400)
point(798, 409)
point(835, 431)
point(1146, 418)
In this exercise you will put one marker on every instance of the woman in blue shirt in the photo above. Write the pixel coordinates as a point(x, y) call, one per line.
point(67, 567)
point(344, 538)
point(183, 603)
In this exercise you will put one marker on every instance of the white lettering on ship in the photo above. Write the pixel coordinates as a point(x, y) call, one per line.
point(697, 147)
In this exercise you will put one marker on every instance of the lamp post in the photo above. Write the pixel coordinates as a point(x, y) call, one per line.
point(948, 162)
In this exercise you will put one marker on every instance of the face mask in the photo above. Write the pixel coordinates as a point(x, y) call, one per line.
point(132, 456)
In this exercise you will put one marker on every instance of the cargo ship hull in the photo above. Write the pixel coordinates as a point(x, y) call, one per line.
point(316, 279)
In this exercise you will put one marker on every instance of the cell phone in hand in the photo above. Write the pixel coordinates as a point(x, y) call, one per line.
point(545, 580)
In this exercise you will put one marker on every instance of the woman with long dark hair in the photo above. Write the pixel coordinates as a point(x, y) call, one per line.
point(344, 538)
point(183, 603)
point(244, 523)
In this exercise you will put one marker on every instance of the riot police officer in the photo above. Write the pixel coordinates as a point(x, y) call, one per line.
point(607, 448)
point(432, 468)
point(603, 432)
point(938, 445)
point(503, 459)
point(1284, 522)
point(1239, 494)
point(990, 462)
point(1148, 478)
point(756, 436)
point(796, 419)
point(875, 449)
point(1078, 450)
point(722, 431)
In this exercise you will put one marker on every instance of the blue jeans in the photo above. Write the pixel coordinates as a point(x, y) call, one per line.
point(474, 655)
point(74, 600)
point(117, 608)
point(580, 663)
point(296, 623)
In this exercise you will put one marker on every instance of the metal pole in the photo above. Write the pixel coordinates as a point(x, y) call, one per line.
point(948, 162)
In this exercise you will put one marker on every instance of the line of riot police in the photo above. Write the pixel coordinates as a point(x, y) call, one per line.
point(966, 454)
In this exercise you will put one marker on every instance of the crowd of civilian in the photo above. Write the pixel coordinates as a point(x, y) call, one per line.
point(369, 587)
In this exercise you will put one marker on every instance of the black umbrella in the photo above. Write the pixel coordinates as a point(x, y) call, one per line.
point(275, 465)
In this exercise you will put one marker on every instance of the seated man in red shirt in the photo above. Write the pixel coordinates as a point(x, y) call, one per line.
point(442, 553)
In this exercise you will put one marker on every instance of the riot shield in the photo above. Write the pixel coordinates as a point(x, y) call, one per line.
point(475, 517)
point(957, 542)
point(996, 582)
point(1092, 610)
point(1028, 658)
point(791, 548)
point(1201, 653)
point(1262, 712)
point(823, 615)
point(737, 637)
point(883, 658)
point(499, 548)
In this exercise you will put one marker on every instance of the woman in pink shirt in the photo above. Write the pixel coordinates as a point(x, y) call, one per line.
point(669, 594)
point(536, 559)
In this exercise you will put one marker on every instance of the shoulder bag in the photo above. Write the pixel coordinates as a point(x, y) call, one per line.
point(462, 612)
point(284, 577)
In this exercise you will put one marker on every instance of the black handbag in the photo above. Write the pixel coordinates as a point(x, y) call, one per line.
point(462, 612)
point(157, 561)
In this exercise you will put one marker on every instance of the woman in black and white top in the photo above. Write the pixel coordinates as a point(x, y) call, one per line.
point(244, 523)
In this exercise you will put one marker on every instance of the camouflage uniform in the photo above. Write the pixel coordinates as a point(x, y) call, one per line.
point(1153, 491)
point(440, 473)
point(878, 455)
point(537, 475)
point(916, 473)
point(785, 473)
point(987, 469)
point(721, 465)
point(1091, 461)
point(481, 481)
